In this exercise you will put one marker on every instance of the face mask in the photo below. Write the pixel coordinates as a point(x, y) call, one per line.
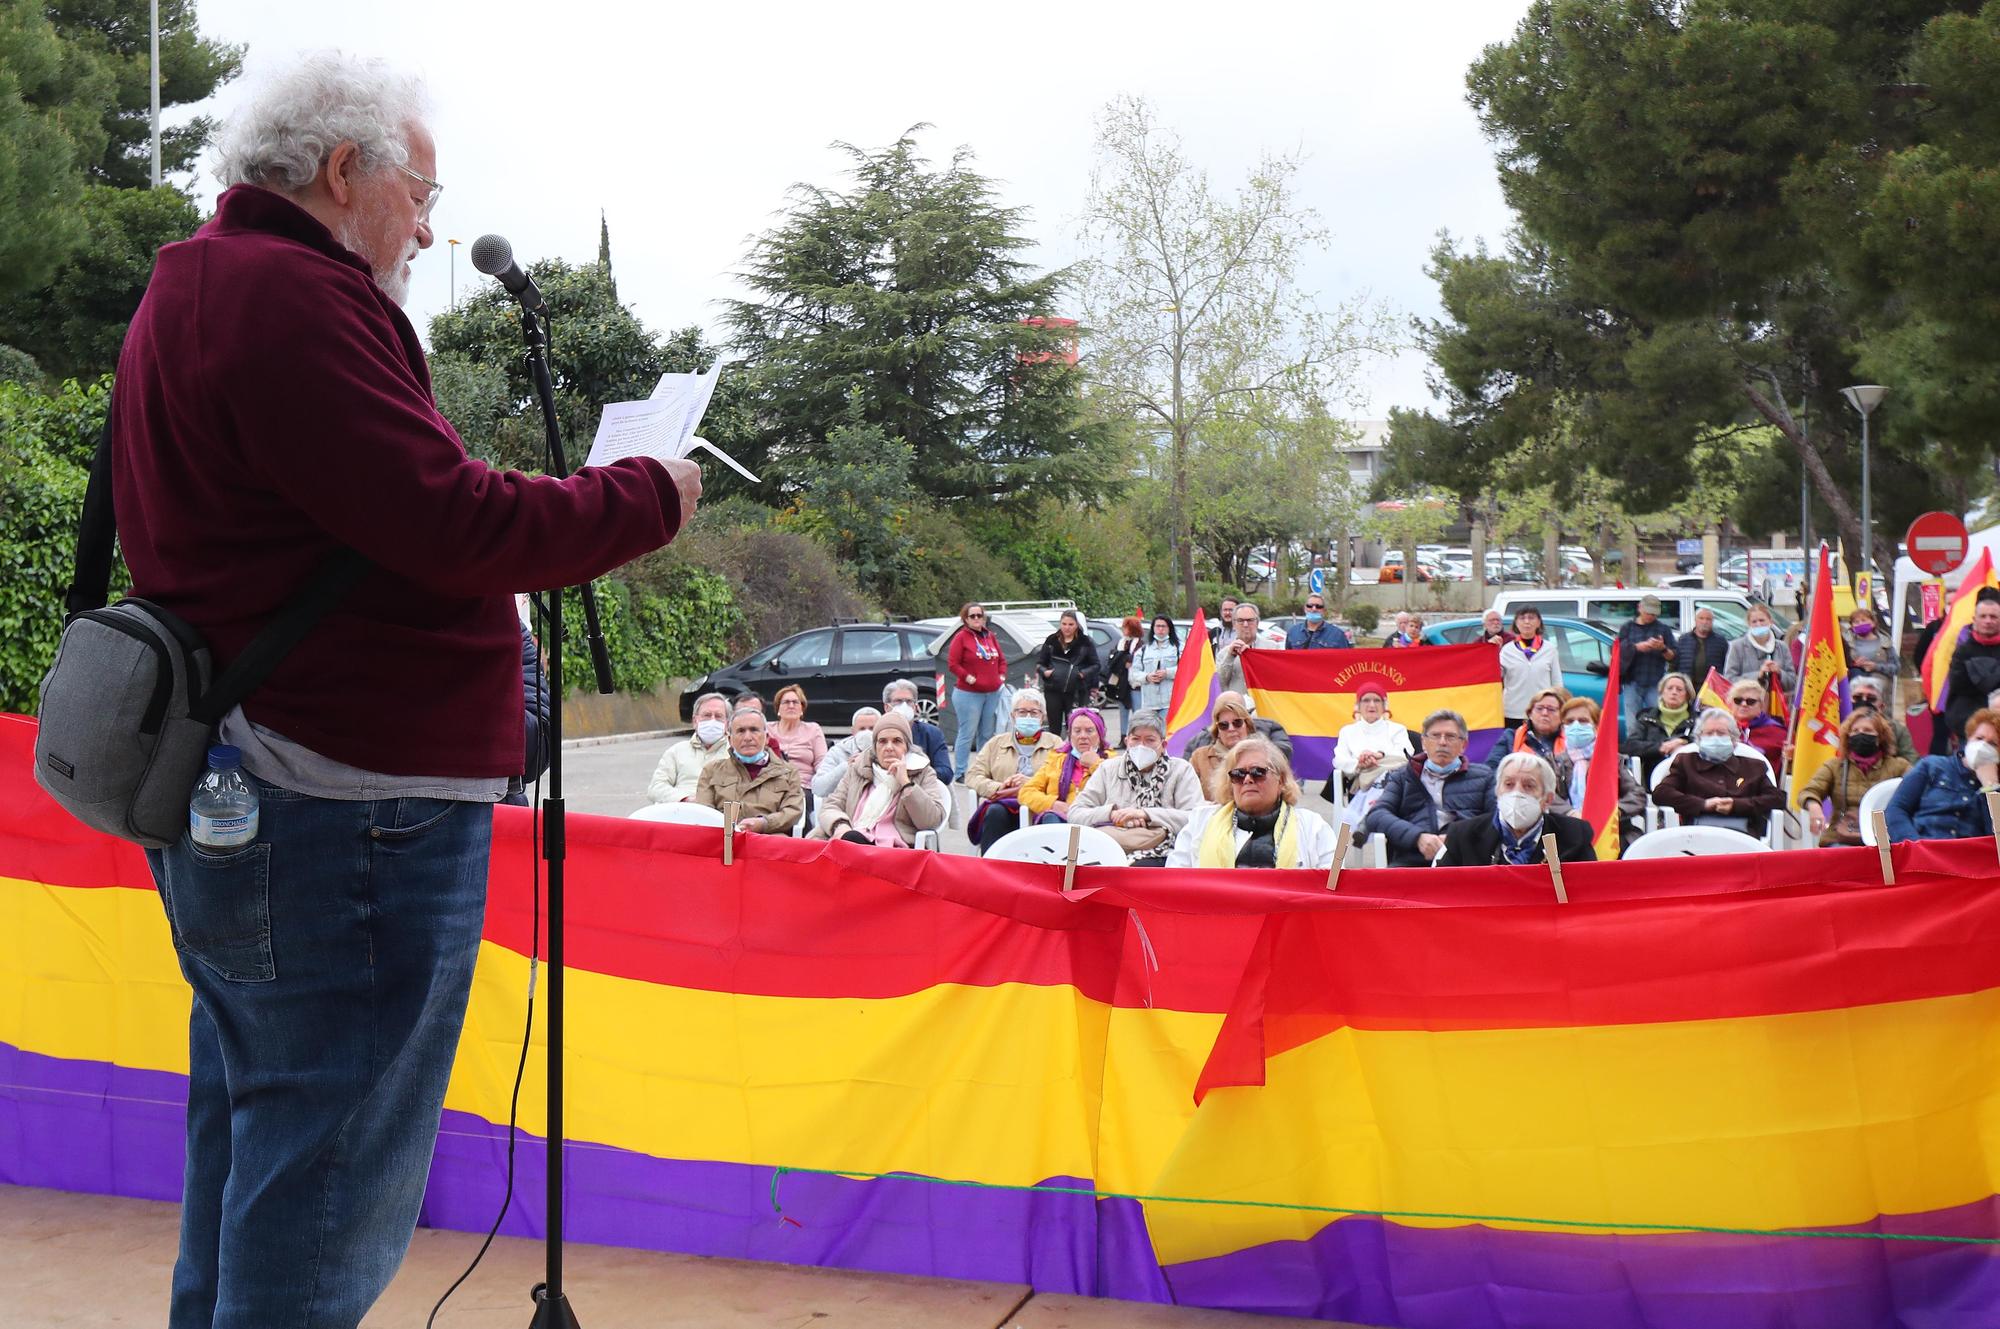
point(1761, 633)
point(1436, 769)
point(1863, 745)
point(905, 710)
point(1579, 736)
point(1027, 726)
point(709, 732)
point(1519, 811)
point(1315, 617)
point(1142, 757)
point(1863, 629)
point(914, 761)
point(1979, 753)
point(1159, 634)
point(1715, 747)
point(757, 758)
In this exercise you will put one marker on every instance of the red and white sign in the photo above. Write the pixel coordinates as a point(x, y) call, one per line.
point(1937, 543)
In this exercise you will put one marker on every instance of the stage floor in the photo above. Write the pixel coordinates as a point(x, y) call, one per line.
point(102, 1262)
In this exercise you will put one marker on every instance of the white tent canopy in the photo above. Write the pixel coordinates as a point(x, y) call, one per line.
point(1908, 576)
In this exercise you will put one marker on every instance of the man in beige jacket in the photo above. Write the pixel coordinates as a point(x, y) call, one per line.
point(765, 786)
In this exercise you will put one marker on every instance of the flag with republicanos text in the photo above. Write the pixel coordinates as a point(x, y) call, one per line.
point(1311, 694)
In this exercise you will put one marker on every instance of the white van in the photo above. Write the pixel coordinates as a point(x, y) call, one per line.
point(1614, 608)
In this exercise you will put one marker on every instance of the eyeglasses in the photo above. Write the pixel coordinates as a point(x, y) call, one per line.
point(972, 616)
point(430, 199)
point(1232, 724)
point(1746, 701)
point(1248, 774)
point(1452, 737)
point(1315, 606)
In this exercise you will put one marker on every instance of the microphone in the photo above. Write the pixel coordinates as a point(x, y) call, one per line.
point(492, 255)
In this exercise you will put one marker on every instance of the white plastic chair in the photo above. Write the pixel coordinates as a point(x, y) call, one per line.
point(681, 814)
point(1874, 801)
point(1050, 844)
point(1679, 841)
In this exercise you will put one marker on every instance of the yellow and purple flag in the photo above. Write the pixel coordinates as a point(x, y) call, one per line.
point(1193, 697)
point(1311, 693)
point(1822, 684)
point(1937, 663)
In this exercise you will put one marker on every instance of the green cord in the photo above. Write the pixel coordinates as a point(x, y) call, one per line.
point(778, 1175)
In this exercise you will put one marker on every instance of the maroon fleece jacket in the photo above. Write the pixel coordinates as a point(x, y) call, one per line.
point(273, 405)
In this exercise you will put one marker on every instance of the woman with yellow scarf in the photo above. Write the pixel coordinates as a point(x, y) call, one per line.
point(1254, 820)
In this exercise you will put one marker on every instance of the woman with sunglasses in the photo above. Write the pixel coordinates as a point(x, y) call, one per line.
point(1255, 820)
point(978, 667)
point(1754, 723)
point(1229, 723)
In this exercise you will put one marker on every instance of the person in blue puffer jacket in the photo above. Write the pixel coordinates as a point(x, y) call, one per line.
point(1419, 801)
point(1944, 797)
point(535, 699)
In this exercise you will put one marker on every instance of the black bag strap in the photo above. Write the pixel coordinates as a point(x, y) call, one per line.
point(90, 587)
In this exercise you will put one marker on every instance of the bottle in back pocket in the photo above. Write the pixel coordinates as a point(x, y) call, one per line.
point(223, 812)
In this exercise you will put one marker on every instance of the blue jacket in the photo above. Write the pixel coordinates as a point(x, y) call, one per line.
point(535, 697)
point(1303, 637)
point(1403, 810)
point(1686, 645)
point(1938, 800)
point(931, 739)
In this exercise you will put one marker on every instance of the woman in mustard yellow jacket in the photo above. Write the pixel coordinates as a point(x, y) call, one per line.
point(1065, 770)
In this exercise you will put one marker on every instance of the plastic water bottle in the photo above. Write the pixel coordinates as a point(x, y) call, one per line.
point(223, 812)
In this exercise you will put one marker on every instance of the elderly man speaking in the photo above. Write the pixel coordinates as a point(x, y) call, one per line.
point(272, 407)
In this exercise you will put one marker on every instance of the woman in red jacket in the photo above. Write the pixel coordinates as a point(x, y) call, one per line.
point(978, 669)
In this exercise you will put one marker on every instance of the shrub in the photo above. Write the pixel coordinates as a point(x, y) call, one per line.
point(780, 582)
point(651, 637)
point(943, 566)
point(1366, 617)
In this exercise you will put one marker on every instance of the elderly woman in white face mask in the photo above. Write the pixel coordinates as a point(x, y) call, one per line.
point(890, 792)
point(1524, 786)
point(1141, 797)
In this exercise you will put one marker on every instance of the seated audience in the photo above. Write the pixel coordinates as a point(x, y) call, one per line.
point(1665, 727)
point(764, 786)
point(1141, 797)
point(1867, 757)
point(680, 766)
point(1866, 692)
point(1524, 790)
point(1008, 761)
point(1541, 733)
point(1061, 776)
point(1421, 799)
point(1755, 724)
point(827, 778)
point(1529, 666)
point(1715, 785)
point(901, 695)
point(891, 792)
point(1253, 819)
point(1944, 797)
point(1572, 767)
point(1229, 720)
point(799, 740)
point(1373, 743)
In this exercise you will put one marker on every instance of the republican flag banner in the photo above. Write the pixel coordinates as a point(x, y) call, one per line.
point(1600, 783)
point(1937, 663)
point(1311, 694)
point(1714, 692)
point(1822, 684)
point(1194, 689)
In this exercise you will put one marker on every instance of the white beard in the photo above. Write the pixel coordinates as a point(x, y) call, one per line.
point(395, 281)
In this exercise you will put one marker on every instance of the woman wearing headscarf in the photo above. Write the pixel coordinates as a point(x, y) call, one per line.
point(1524, 794)
point(1069, 668)
point(1254, 819)
point(1866, 757)
point(1141, 797)
point(1153, 665)
point(889, 793)
point(1063, 772)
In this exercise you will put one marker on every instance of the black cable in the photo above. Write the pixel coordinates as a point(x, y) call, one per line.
point(527, 1030)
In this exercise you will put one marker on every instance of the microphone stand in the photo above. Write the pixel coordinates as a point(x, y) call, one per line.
point(552, 1309)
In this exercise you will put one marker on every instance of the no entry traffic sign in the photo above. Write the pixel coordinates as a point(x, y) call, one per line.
point(1937, 542)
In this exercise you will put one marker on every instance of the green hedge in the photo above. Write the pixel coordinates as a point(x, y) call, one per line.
point(652, 637)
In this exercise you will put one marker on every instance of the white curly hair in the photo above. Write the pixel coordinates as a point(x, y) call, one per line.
point(301, 113)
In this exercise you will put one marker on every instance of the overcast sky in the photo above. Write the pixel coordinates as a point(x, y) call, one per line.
point(687, 123)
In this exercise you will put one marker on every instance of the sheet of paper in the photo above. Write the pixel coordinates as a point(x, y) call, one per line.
point(662, 426)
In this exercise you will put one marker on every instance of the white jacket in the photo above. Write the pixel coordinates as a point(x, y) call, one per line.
point(1388, 736)
point(1316, 838)
point(680, 769)
point(1521, 678)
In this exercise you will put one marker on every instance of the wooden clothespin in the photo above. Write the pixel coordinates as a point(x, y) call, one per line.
point(1340, 847)
point(1069, 859)
point(729, 811)
point(1993, 815)
point(1555, 867)
point(1881, 824)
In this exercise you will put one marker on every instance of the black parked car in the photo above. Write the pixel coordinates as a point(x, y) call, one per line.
point(842, 668)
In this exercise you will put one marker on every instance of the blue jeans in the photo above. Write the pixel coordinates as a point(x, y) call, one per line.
point(1633, 698)
point(978, 721)
point(331, 962)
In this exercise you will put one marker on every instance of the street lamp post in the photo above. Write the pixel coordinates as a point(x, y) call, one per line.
point(1865, 398)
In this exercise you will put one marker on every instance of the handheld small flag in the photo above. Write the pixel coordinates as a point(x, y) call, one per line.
point(1822, 685)
point(1714, 691)
point(1193, 697)
point(1600, 782)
